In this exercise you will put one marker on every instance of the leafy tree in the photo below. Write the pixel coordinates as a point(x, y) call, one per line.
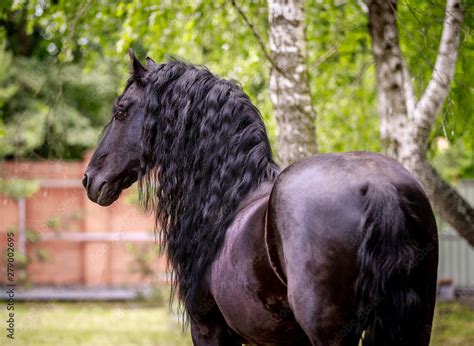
point(406, 120)
point(53, 111)
point(420, 28)
point(342, 77)
point(50, 107)
point(342, 73)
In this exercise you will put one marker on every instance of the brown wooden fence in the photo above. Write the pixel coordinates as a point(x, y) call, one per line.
point(61, 238)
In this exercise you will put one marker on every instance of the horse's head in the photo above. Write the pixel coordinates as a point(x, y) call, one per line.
point(116, 161)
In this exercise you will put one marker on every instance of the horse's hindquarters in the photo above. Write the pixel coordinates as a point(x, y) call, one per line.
point(316, 221)
point(317, 209)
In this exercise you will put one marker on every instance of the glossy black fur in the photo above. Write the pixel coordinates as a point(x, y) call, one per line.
point(332, 247)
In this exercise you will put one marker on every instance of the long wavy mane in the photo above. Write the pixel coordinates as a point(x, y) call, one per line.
point(204, 149)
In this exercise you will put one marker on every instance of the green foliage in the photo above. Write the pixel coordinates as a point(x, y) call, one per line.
point(32, 236)
point(43, 255)
point(84, 43)
point(457, 162)
point(133, 197)
point(421, 25)
point(144, 258)
point(50, 110)
point(342, 77)
point(202, 32)
point(53, 223)
point(18, 188)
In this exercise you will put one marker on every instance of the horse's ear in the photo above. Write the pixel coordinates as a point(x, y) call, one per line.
point(137, 67)
point(150, 63)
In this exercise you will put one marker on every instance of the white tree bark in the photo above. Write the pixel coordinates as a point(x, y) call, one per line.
point(437, 90)
point(289, 81)
point(406, 124)
point(391, 77)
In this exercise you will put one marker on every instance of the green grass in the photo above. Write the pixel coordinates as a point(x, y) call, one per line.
point(141, 324)
point(96, 324)
point(453, 325)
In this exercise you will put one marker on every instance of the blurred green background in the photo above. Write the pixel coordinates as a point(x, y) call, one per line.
point(63, 62)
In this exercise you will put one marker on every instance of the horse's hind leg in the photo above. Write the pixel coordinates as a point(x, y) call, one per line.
point(209, 328)
point(321, 296)
point(324, 323)
point(213, 334)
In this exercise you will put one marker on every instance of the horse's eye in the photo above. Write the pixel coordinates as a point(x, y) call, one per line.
point(119, 115)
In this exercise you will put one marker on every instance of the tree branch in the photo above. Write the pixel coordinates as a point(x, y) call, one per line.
point(437, 90)
point(363, 6)
point(259, 38)
point(405, 125)
point(447, 202)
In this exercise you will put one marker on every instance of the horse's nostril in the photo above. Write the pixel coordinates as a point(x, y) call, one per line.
point(84, 181)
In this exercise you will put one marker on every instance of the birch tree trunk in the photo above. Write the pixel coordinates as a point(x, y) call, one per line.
point(289, 81)
point(405, 124)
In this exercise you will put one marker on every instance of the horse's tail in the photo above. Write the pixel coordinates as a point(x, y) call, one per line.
point(386, 256)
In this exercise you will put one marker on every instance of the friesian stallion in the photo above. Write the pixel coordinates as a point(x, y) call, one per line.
point(334, 249)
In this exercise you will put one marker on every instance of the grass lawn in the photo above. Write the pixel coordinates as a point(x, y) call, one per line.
point(139, 324)
point(453, 325)
point(96, 324)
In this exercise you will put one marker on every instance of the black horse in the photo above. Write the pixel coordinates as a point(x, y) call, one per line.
point(334, 249)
